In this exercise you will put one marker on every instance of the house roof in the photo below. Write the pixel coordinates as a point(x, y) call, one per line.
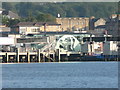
point(13, 15)
point(10, 14)
point(59, 33)
point(36, 23)
point(96, 19)
point(100, 26)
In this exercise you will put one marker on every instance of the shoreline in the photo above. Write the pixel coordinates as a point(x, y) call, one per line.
point(61, 62)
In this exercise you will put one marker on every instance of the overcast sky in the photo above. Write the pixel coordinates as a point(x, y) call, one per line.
point(59, 0)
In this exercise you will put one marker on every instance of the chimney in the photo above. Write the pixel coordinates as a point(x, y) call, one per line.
point(92, 17)
point(45, 25)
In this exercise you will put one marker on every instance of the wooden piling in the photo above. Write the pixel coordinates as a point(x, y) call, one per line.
point(48, 55)
point(28, 57)
point(58, 55)
point(17, 55)
point(59, 58)
point(39, 56)
point(43, 57)
point(54, 56)
point(7, 57)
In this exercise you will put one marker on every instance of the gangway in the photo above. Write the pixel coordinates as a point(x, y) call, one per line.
point(49, 48)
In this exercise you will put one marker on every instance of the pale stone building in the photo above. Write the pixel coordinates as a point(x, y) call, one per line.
point(36, 27)
point(73, 23)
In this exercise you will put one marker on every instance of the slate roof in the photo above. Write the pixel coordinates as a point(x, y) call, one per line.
point(36, 23)
point(96, 19)
point(10, 14)
point(100, 26)
point(59, 33)
point(13, 15)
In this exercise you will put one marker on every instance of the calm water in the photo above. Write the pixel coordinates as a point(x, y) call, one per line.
point(61, 75)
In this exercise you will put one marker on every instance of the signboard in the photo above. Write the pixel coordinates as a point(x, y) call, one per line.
point(29, 40)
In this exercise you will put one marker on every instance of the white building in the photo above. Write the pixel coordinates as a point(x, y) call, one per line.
point(94, 48)
point(110, 48)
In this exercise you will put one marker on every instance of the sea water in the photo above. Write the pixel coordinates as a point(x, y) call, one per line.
point(60, 75)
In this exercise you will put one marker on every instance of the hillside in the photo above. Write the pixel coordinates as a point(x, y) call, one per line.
point(65, 9)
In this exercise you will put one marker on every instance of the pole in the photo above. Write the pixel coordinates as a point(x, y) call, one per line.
point(17, 55)
point(39, 58)
point(28, 56)
point(54, 55)
point(44, 56)
point(91, 44)
point(105, 42)
point(48, 56)
point(7, 57)
point(59, 55)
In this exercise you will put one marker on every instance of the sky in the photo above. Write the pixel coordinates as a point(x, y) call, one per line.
point(59, 0)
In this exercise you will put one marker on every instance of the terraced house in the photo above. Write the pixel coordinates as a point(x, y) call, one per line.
point(73, 23)
point(36, 27)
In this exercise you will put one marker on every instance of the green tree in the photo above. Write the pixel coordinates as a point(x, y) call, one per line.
point(7, 6)
point(45, 17)
point(9, 22)
point(66, 9)
point(5, 20)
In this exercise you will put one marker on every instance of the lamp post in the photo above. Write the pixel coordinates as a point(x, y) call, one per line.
point(45, 26)
point(91, 44)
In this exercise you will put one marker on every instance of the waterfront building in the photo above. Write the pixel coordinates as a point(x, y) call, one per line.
point(110, 48)
point(65, 41)
point(106, 45)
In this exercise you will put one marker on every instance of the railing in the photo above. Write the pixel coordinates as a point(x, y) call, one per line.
point(49, 48)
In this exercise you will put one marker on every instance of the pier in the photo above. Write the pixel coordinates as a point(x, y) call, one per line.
point(62, 48)
point(38, 57)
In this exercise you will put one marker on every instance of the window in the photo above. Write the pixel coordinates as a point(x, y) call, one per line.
point(35, 30)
